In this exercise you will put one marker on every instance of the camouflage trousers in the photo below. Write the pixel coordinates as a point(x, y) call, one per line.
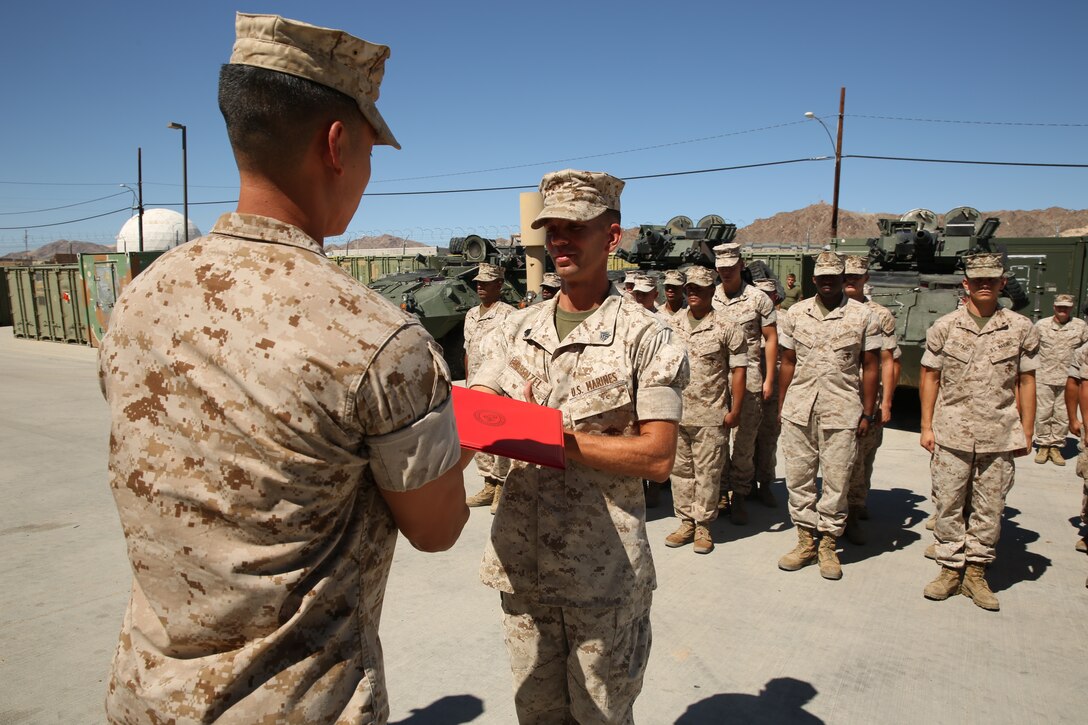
point(573, 664)
point(492, 466)
point(1051, 416)
point(969, 490)
point(1082, 471)
point(696, 475)
point(766, 461)
point(861, 475)
point(737, 475)
point(811, 448)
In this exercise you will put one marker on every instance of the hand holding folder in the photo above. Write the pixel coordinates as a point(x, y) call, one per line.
point(510, 428)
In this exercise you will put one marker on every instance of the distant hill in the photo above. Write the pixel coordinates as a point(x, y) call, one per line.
point(813, 224)
point(385, 241)
point(61, 246)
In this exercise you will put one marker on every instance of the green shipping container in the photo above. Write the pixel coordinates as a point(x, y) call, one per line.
point(104, 277)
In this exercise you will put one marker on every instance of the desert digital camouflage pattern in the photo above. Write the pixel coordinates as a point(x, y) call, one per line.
point(609, 679)
point(481, 328)
point(577, 195)
point(715, 348)
point(577, 538)
point(861, 475)
point(1057, 343)
point(969, 491)
point(752, 310)
point(976, 405)
point(822, 407)
point(260, 398)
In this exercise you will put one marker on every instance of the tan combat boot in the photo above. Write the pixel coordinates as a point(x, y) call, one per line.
point(683, 535)
point(737, 513)
point(1056, 456)
point(704, 543)
point(1082, 545)
point(1042, 454)
point(803, 554)
point(485, 496)
point(931, 522)
point(931, 551)
point(945, 585)
point(495, 500)
point(829, 560)
point(854, 533)
point(974, 585)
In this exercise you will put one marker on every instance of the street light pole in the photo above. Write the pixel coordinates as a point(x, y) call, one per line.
point(185, 173)
point(138, 201)
point(837, 145)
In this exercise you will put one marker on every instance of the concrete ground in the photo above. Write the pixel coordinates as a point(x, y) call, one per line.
point(735, 639)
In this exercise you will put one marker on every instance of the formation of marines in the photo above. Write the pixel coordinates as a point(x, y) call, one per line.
point(275, 424)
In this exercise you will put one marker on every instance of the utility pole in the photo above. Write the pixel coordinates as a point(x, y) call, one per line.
point(838, 166)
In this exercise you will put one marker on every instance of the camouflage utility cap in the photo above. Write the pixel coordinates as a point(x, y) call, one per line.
point(857, 264)
point(674, 277)
point(488, 273)
point(702, 277)
point(644, 284)
point(577, 196)
point(629, 276)
point(985, 266)
point(767, 285)
point(1063, 300)
point(551, 279)
point(330, 57)
point(727, 255)
point(828, 263)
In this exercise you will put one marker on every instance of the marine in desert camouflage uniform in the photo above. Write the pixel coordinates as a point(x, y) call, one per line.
point(568, 549)
point(1059, 336)
point(978, 407)
point(550, 285)
point(828, 395)
point(274, 421)
point(861, 476)
point(483, 324)
point(1076, 399)
point(752, 310)
point(674, 291)
point(770, 427)
point(718, 359)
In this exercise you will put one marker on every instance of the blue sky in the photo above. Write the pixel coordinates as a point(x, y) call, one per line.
point(486, 94)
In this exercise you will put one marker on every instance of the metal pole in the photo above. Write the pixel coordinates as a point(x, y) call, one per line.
point(838, 167)
point(184, 173)
point(140, 192)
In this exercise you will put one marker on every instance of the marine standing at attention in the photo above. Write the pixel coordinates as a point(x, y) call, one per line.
point(770, 427)
point(568, 549)
point(483, 324)
point(674, 291)
point(753, 311)
point(861, 476)
point(978, 412)
point(828, 384)
point(1059, 336)
point(274, 421)
point(718, 359)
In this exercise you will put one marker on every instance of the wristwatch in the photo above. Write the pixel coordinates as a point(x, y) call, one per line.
point(870, 418)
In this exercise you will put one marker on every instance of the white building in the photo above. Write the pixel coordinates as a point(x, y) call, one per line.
point(163, 229)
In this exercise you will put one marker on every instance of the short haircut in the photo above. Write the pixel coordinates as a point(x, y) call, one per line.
point(612, 215)
point(271, 116)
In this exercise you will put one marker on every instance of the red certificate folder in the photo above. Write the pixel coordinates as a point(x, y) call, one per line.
point(507, 427)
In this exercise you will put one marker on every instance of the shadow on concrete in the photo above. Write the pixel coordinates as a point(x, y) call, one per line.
point(760, 518)
point(892, 515)
point(663, 509)
point(449, 710)
point(781, 701)
point(1070, 448)
point(1014, 563)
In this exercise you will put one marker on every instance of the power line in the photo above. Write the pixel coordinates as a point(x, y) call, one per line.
point(594, 156)
point(66, 206)
point(966, 161)
point(70, 221)
point(976, 123)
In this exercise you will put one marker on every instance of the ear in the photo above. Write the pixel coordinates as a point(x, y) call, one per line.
point(333, 143)
point(615, 232)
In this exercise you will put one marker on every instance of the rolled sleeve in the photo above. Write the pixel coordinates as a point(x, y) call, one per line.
point(931, 358)
point(411, 457)
point(1029, 351)
point(785, 332)
point(661, 374)
point(874, 338)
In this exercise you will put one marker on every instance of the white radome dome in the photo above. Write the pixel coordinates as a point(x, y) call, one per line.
point(163, 229)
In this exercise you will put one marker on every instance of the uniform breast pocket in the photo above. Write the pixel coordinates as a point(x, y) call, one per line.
point(847, 345)
point(705, 348)
point(1003, 355)
point(513, 386)
point(608, 411)
point(803, 339)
